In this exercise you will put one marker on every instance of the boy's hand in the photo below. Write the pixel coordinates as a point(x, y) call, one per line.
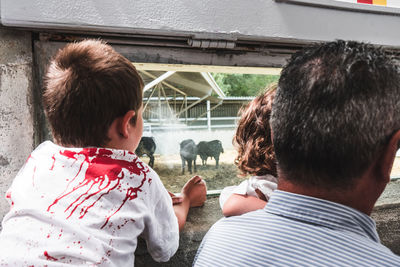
point(175, 199)
point(195, 190)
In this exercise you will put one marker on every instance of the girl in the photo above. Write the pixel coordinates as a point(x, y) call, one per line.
point(255, 157)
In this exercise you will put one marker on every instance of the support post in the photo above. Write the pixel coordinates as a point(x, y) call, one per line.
point(208, 116)
point(186, 109)
point(158, 80)
point(159, 104)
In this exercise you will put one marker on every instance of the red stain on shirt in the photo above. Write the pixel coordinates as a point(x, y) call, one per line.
point(103, 175)
point(54, 161)
point(125, 222)
point(8, 195)
point(48, 257)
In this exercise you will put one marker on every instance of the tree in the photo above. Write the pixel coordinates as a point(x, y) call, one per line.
point(243, 84)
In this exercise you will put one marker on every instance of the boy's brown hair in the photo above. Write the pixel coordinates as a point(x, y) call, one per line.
point(253, 137)
point(87, 86)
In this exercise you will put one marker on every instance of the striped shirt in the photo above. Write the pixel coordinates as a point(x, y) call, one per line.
point(295, 230)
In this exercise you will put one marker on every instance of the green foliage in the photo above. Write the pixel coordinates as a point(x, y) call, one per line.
point(243, 84)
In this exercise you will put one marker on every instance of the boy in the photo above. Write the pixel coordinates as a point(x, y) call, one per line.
point(85, 199)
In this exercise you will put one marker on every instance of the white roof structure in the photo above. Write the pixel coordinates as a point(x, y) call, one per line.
point(201, 85)
point(197, 84)
point(193, 82)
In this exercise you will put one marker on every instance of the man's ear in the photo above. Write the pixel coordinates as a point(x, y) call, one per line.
point(125, 123)
point(385, 163)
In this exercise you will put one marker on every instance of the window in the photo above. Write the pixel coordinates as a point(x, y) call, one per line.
point(183, 102)
point(209, 118)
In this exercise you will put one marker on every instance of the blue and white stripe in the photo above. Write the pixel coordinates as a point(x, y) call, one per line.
point(295, 230)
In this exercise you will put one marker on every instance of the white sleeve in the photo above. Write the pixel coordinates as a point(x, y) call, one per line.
point(266, 184)
point(161, 227)
point(240, 189)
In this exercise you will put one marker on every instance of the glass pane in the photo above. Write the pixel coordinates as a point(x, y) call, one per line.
point(175, 110)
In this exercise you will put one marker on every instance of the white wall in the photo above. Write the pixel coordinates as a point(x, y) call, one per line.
point(16, 108)
point(255, 19)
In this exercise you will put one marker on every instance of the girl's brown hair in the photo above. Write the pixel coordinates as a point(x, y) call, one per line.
point(253, 136)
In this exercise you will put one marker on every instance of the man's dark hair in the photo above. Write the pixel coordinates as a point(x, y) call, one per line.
point(87, 86)
point(336, 107)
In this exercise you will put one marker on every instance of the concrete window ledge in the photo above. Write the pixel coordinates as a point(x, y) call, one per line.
point(198, 222)
point(387, 217)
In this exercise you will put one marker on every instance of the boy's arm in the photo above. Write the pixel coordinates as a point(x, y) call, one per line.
point(193, 195)
point(238, 204)
point(181, 211)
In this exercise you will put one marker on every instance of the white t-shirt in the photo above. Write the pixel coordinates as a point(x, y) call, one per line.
point(86, 206)
point(266, 184)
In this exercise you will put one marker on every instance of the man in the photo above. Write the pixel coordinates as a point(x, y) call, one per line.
point(335, 124)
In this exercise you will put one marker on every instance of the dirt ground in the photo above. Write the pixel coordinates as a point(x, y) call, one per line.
point(169, 169)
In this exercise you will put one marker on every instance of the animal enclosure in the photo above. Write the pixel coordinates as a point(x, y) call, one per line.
point(168, 167)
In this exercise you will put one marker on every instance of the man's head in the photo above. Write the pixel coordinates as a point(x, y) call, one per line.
point(336, 108)
point(87, 86)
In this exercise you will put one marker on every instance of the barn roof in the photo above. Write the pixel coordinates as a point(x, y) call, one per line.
point(191, 80)
point(189, 84)
point(167, 82)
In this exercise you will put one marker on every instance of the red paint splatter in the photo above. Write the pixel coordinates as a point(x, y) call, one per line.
point(8, 195)
point(30, 157)
point(33, 176)
point(103, 174)
point(48, 257)
point(54, 161)
point(125, 222)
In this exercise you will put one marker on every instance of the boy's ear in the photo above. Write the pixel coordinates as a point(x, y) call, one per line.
point(125, 123)
point(385, 163)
